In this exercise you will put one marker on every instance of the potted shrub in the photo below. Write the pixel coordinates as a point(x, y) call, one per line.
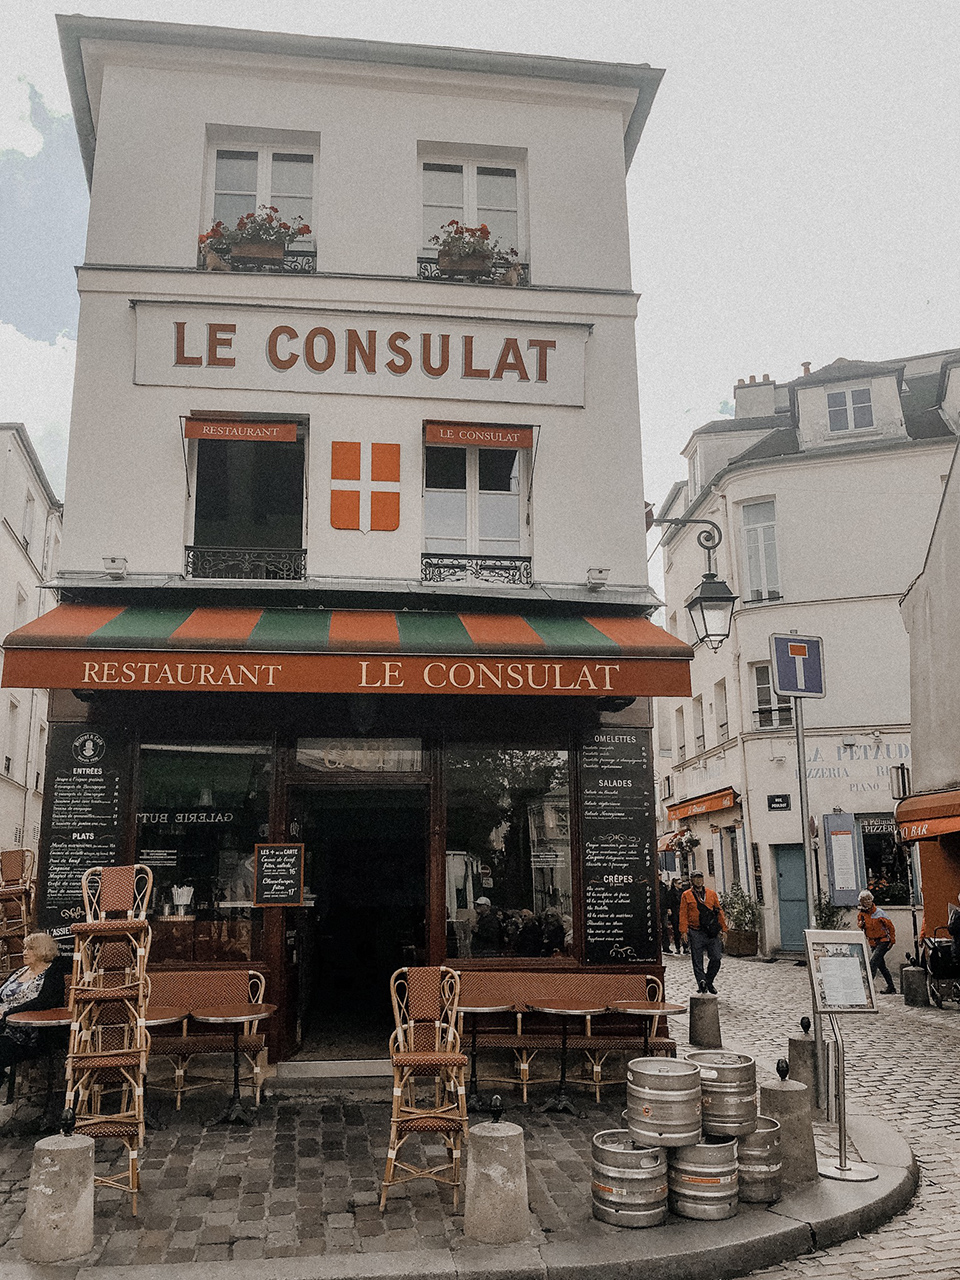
point(469, 251)
point(261, 234)
point(743, 915)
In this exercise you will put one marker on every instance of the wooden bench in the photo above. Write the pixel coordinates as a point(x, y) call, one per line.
point(526, 1033)
point(203, 989)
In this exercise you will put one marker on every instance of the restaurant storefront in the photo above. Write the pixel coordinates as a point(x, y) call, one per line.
point(932, 822)
point(474, 789)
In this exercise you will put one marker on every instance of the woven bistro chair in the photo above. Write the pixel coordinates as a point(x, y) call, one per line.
point(16, 891)
point(106, 1096)
point(656, 1047)
point(425, 1047)
point(115, 904)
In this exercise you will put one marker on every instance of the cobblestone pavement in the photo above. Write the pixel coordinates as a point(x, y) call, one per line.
point(304, 1181)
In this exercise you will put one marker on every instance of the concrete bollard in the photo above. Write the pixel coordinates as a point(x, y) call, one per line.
point(705, 1022)
point(58, 1222)
point(802, 1052)
point(913, 984)
point(788, 1102)
point(496, 1210)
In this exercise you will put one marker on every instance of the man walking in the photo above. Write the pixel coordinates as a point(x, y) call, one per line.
point(701, 923)
point(881, 935)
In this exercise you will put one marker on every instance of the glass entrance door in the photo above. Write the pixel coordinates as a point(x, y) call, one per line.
point(366, 856)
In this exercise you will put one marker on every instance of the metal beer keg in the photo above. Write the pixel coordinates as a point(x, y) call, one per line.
point(663, 1102)
point(728, 1082)
point(758, 1155)
point(703, 1179)
point(629, 1183)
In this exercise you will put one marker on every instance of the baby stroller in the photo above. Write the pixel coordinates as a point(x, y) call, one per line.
point(943, 968)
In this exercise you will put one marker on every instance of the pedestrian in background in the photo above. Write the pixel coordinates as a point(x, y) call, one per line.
point(674, 894)
point(701, 924)
point(881, 935)
point(664, 916)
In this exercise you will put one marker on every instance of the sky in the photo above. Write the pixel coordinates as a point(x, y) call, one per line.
point(795, 195)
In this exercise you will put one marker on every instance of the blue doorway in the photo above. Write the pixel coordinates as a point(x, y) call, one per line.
point(791, 895)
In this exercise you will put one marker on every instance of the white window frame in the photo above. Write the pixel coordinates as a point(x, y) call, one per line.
point(474, 545)
point(470, 165)
point(681, 735)
point(699, 734)
point(848, 410)
point(721, 710)
point(264, 146)
point(778, 709)
point(759, 586)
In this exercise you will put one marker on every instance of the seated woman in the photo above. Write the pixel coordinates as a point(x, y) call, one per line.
point(38, 985)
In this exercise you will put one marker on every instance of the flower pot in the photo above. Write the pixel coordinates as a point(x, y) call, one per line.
point(476, 265)
point(260, 249)
point(742, 942)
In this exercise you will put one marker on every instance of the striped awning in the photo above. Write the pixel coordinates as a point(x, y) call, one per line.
point(711, 803)
point(86, 646)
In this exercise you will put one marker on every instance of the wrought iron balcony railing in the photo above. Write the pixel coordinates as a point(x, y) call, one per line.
point(293, 262)
point(773, 718)
point(514, 571)
point(427, 269)
point(272, 564)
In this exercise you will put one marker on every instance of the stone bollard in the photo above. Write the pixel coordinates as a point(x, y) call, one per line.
point(913, 984)
point(788, 1102)
point(705, 1022)
point(58, 1222)
point(496, 1209)
point(802, 1051)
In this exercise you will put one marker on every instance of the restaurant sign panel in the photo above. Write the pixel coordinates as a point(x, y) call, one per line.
point(239, 348)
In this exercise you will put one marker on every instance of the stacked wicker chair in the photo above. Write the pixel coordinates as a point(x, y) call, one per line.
point(109, 1042)
point(16, 907)
point(425, 1050)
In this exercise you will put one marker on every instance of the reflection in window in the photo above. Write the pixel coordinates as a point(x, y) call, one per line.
point(509, 886)
point(363, 755)
point(201, 811)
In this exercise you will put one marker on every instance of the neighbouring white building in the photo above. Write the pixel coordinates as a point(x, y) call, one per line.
point(353, 560)
point(30, 535)
point(825, 489)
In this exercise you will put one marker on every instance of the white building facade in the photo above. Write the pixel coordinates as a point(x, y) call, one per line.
point(30, 537)
point(825, 490)
point(340, 568)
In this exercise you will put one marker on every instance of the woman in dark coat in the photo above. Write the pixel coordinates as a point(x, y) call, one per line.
point(38, 985)
point(674, 894)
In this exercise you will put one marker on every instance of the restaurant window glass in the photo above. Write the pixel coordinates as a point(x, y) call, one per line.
point(886, 861)
point(360, 755)
point(201, 811)
point(474, 194)
point(509, 885)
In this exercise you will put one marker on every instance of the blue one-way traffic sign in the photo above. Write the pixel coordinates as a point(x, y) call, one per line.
point(797, 663)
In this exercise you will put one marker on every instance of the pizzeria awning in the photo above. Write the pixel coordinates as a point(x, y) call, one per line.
point(710, 803)
point(929, 816)
point(669, 841)
point(88, 646)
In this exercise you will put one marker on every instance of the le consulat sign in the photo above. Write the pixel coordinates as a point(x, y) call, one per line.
point(426, 356)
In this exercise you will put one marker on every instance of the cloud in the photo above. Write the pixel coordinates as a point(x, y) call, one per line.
point(36, 388)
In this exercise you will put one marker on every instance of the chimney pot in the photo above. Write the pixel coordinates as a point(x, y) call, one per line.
point(753, 378)
point(741, 383)
point(805, 366)
point(766, 377)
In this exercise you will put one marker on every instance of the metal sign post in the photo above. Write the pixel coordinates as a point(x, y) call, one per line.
point(841, 982)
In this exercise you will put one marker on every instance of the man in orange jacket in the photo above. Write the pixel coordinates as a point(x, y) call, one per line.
point(881, 935)
point(701, 923)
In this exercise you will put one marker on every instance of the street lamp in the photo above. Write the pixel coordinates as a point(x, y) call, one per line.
point(711, 605)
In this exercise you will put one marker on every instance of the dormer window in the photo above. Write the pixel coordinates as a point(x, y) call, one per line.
point(849, 408)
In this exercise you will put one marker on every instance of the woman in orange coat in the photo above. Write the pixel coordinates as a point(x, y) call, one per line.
point(881, 935)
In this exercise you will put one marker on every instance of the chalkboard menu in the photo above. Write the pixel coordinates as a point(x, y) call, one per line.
point(279, 878)
point(619, 836)
point(84, 813)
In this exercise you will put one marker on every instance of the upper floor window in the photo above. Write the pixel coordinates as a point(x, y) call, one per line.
point(720, 710)
point(472, 193)
point(248, 510)
point(474, 504)
point(243, 180)
point(698, 733)
point(680, 734)
point(760, 551)
point(846, 408)
point(773, 711)
point(29, 514)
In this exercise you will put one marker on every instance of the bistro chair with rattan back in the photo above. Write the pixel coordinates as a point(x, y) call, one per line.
point(16, 891)
point(115, 904)
point(425, 1047)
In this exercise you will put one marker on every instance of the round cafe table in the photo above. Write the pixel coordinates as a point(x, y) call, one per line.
point(234, 1015)
point(560, 1100)
point(474, 1101)
point(647, 1011)
point(158, 1016)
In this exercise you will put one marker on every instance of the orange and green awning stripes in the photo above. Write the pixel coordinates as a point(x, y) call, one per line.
point(82, 646)
point(342, 631)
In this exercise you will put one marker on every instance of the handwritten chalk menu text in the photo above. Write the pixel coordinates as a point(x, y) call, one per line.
point(619, 836)
point(279, 880)
point(82, 821)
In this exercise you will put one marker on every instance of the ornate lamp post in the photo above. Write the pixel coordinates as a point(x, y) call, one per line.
point(711, 605)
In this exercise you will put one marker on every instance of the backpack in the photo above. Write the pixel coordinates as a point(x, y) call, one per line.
point(709, 920)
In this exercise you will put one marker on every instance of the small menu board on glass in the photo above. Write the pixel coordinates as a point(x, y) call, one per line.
point(82, 817)
point(619, 837)
point(279, 878)
point(839, 966)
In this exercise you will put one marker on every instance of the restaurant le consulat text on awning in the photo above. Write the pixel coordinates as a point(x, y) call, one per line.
point(413, 764)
